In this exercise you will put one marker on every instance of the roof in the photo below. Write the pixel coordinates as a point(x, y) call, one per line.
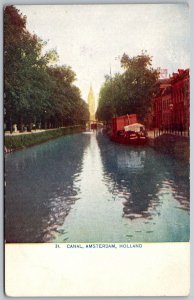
point(133, 127)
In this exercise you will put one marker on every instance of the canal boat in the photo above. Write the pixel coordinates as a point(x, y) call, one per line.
point(135, 133)
point(126, 130)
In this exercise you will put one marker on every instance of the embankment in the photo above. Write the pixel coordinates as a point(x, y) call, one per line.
point(177, 146)
point(16, 142)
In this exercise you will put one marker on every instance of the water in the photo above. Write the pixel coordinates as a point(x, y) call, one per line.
point(84, 188)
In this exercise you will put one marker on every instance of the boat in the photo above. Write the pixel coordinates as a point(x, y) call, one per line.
point(133, 133)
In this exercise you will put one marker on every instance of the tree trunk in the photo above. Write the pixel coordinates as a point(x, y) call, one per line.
point(21, 124)
point(11, 125)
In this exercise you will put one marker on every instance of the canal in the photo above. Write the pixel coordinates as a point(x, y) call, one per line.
point(84, 188)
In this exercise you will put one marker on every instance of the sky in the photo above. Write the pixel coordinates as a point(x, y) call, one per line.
point(92, 38)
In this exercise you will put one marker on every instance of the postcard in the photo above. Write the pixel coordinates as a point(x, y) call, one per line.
point(96, 143)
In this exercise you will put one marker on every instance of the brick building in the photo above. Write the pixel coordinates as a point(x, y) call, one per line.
point(171, 103)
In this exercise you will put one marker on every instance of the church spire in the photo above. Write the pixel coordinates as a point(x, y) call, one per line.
point(91, 103)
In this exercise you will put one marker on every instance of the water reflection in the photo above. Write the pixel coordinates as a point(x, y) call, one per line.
point(142, 178)
point(42, 184)
point(84, 188)
point(133, 160)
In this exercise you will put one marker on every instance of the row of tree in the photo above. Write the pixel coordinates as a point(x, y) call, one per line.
point(36, 89)
point(130, 92)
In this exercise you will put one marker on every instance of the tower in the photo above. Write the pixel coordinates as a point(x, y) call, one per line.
point(91, 104)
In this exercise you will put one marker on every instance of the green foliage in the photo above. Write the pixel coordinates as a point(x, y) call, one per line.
point(36, 90)
point(129, 92)
point(25, 140)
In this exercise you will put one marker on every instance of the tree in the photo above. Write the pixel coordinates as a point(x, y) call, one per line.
point(131, 91)
point(66, 106)
point(26, 81)
point(36, 90)
point(14, 30)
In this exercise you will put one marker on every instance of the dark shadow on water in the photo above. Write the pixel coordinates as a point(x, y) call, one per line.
point(42, 184)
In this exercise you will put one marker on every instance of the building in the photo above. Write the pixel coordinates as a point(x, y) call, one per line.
point(91, 104)
point(171, 103)
point(160, 103)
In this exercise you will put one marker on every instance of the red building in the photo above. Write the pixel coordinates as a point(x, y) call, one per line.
point(171, 104)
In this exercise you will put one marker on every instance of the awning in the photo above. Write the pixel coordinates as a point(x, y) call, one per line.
point(134, 127)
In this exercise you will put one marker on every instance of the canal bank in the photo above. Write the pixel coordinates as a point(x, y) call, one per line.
point(19, 141)
point(174, 145)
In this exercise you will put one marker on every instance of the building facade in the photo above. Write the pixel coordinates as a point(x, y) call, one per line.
point(171, 103)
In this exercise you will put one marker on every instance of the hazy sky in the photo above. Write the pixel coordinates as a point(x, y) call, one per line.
point(89, 38)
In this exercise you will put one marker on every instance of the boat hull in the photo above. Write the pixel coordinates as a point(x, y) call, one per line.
point(129, 141)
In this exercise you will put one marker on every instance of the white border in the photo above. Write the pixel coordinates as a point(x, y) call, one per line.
point(155, 269)
point(27, 2)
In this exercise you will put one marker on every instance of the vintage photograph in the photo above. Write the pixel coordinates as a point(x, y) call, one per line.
point(96, 123)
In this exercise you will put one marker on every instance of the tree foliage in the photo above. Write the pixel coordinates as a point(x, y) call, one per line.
point(129, 92)
point(36, 90)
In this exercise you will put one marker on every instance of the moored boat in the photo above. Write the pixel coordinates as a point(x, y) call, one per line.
point(132, 133)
